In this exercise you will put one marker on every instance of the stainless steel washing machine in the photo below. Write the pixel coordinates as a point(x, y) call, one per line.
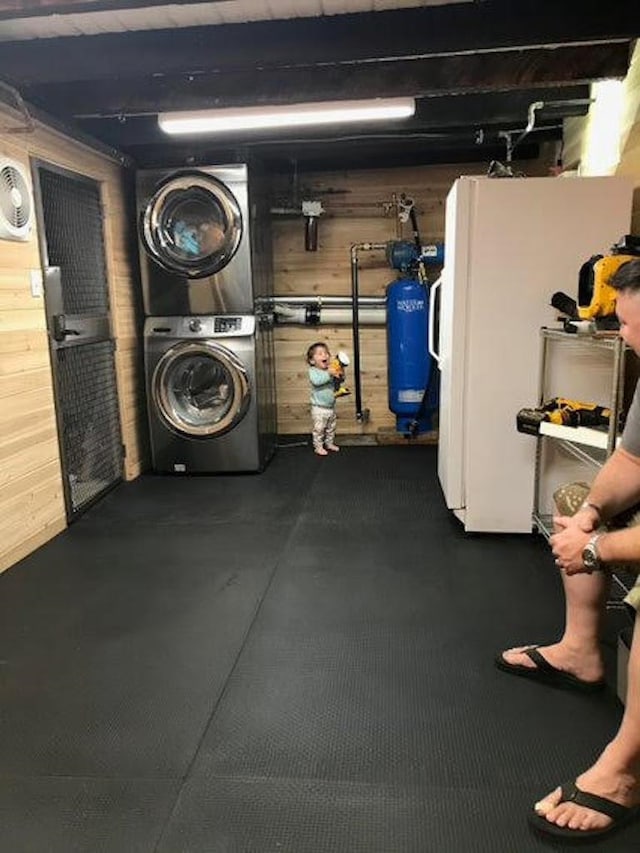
point(204, 240)
point(210, 393)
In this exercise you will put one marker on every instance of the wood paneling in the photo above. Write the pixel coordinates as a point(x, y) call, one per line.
point(31, 493)
point(358, 209)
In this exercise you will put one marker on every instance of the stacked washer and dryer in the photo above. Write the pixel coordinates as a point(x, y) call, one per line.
point(205, 256)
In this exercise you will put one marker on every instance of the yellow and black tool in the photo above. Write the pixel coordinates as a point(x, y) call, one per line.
point(564, 412)
point(338, 363)
point(596, 297)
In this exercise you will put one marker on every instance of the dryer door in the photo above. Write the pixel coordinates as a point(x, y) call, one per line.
point(200, 389)
point(192, 225)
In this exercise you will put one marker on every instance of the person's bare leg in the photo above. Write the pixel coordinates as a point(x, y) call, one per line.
point(616, 773)
point(578, 650)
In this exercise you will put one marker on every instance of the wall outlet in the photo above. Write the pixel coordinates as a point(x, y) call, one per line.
point(36, 283)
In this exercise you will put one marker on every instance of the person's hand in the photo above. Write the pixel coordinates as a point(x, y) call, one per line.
point(586, 518)
point(568, 543)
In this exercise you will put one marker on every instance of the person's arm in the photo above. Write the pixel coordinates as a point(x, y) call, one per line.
point(620, 546)
point(617, 485)
point(319, 377)
point(616, 488)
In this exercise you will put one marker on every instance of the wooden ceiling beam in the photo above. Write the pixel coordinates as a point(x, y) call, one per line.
point(419, 78)
point(357, 155)
point(456, 28)
point(15, 9)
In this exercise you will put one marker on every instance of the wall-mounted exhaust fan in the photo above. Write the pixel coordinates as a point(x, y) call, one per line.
point(16, 206)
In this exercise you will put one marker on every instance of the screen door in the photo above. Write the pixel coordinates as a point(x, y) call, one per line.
point(82, 348)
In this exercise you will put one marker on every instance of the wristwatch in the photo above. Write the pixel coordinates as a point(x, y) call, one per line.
point(590, 557)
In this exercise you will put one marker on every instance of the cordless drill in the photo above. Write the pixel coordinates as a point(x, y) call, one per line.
point(564, 412)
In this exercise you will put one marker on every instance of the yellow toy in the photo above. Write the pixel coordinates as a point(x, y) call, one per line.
point(338, 364)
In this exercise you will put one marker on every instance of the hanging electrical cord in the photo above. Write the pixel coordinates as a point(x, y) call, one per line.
point(500, 170)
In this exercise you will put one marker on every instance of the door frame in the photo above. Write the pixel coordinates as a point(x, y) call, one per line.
point(97, 328)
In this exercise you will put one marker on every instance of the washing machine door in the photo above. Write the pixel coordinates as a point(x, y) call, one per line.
point(192, 225)
point(200, 389)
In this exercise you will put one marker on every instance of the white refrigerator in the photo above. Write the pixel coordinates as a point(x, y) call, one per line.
point(510, 243)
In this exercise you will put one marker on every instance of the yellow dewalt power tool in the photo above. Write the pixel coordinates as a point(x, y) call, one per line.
point(338, 363)
point(596, 297)
point(564, 412)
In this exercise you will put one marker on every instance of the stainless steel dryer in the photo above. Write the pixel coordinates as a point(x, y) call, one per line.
point(210, 393)
point(204, 240)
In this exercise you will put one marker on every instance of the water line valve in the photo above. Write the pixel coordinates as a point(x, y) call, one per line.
point(405, 206)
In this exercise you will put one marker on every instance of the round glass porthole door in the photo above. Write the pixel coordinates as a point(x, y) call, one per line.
point(200, 389)
point(192, 225)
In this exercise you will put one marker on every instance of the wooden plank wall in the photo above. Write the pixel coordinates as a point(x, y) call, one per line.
point(359, 209)
point(31, 497)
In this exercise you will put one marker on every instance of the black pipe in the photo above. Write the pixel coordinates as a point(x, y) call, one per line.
point(356, 332)
point(416, 232)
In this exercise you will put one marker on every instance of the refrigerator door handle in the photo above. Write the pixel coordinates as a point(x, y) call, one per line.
point(432, 319)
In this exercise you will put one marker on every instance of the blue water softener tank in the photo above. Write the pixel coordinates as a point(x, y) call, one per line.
point(409, 362)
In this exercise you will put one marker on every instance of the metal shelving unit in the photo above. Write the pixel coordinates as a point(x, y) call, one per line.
point(590, 446)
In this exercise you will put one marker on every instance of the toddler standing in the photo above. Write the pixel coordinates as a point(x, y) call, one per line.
point(323, 402)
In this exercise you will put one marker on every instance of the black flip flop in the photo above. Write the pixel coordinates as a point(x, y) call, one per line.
point(620, 816)
point(547, 674)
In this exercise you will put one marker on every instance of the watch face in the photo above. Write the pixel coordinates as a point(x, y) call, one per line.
point(589, 557)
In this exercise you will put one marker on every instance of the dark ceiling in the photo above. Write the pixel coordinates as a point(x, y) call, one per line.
point(475, 69)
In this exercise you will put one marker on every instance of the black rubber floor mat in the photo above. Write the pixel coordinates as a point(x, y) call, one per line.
point(273, 496)
point(311, 816)
point(298, 662)
point(48, 815)
point(117, 648)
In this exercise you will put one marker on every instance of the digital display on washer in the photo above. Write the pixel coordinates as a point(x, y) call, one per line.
point(227, 324)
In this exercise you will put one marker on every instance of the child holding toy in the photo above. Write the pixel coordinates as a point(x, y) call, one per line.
point(323, 402)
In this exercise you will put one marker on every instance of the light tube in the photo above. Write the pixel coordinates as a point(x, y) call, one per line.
point(289, 115)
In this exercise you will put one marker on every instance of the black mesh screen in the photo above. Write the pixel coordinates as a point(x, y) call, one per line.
point(85, 377)
point(73, 226)
point(91, 439)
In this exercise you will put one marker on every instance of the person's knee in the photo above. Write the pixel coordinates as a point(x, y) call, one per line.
point(569, 498)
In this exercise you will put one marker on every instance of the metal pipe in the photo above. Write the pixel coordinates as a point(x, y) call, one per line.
point(310, 315)
point(536, 105)
point(333, 301)
point(368, 247)
point(531, 119)
point(286, 211)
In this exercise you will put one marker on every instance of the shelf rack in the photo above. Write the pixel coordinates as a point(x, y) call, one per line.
point(590, 446)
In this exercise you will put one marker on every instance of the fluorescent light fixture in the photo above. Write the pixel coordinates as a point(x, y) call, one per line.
point(289, 115)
